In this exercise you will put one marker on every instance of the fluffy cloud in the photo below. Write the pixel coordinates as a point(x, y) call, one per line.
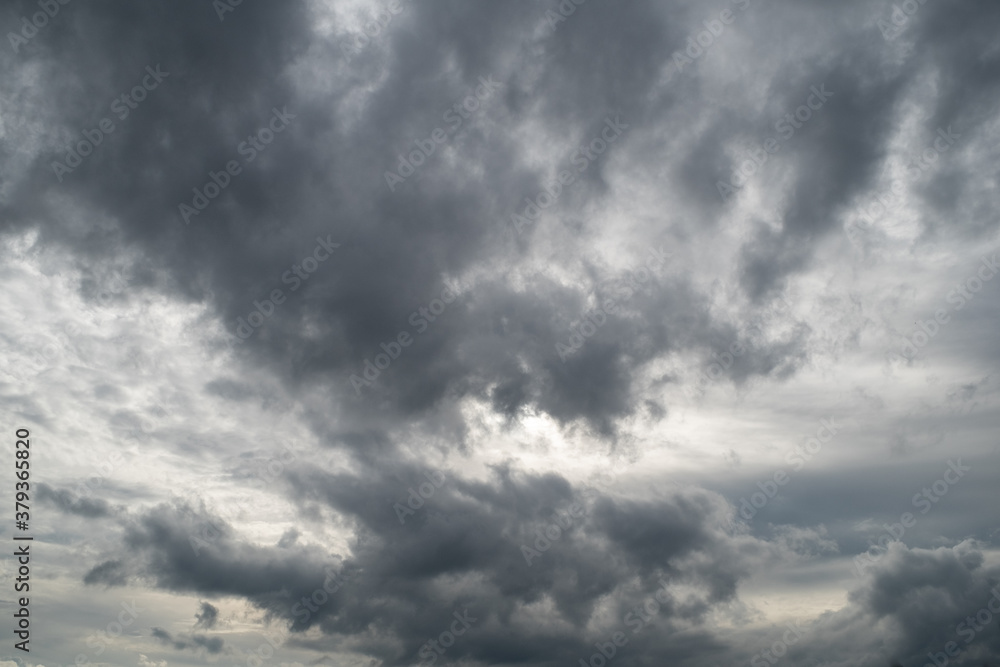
point(330, 413)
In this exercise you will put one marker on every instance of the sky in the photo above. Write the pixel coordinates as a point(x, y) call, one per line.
point(548, 333)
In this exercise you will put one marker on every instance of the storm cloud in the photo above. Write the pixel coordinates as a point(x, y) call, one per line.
point(533, 332)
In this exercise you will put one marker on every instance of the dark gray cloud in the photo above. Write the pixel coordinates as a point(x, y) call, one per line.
point(109, 573)
point(239, 249)
point(423, 337)
point(194, 642)
point(920, 601)
point(70, 503)
point(207, 617)
point(492, 536)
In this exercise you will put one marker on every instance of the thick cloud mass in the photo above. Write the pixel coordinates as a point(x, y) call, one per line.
point(360, 328)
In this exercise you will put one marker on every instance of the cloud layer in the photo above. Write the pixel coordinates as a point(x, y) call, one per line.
point(398, 333)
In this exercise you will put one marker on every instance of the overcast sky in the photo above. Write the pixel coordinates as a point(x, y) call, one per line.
point(412, 332)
